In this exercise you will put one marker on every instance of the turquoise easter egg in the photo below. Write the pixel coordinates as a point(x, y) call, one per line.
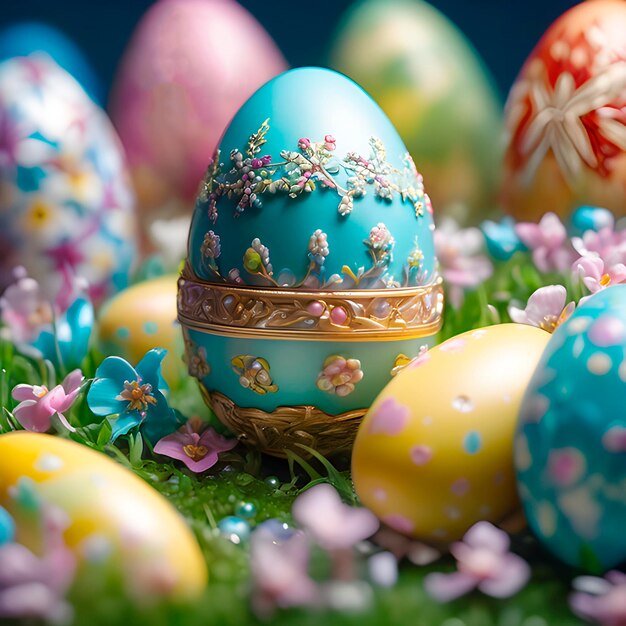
point(311, 271)
point(570, 444)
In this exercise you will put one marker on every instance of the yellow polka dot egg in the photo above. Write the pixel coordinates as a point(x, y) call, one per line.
point(434, 453)
point(143, 317)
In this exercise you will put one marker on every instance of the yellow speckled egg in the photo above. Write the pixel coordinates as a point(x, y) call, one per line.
point(434, 453)
point(143, 317)
point(109, 509)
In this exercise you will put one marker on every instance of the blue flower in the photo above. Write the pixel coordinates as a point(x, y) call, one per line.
point(133, 396)
point(501, 239)
point(70, 342)
point(587, 218)
point(7, 527)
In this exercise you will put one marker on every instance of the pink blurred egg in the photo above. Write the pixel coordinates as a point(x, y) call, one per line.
point(187, 69)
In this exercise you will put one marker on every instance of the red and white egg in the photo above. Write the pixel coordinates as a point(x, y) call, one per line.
point(566, 117)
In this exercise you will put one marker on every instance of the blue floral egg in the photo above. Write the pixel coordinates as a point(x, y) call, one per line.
point(65, 200)
point(311, 272)
point(570, 447)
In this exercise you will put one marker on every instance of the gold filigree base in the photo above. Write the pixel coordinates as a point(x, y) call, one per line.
point(282, 429)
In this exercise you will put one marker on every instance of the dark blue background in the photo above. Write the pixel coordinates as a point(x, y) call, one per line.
point(503, 31)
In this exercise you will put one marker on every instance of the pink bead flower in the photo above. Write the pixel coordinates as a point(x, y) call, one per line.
point(601, 600)
point(330, 143)
point(548, 241)
point(460, 256)
point(38, 404)
point(545, 309)
point(196, 444)
point(339, 376)
point(333, 524)
point(483, 562)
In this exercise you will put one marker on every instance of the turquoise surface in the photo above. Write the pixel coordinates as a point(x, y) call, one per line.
point(570, 448)
point(312, 103)
point(294, 367)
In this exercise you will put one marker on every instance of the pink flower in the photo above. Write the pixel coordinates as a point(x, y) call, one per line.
point(34, 586)
point(596, 275)
point(24, 308)
point(401, 547)
point(606, 243)
point(329, 143)
point(459, 253)
point(601, 600)
point(280, 572)
point(38, 404)
point(551, 249)
point(196, 444)
point(333, 524)
point(483, 562)
point(545, 309)
point(304, 143)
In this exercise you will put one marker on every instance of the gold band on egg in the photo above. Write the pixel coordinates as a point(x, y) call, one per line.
point(262, 313)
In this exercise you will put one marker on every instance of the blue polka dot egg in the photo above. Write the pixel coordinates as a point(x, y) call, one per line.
point(570, 446)
point(311, 274)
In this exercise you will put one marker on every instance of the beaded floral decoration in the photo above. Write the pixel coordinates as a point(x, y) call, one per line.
point(302, 171)
point(256, 261)
point(254, 373)
point(313, 166)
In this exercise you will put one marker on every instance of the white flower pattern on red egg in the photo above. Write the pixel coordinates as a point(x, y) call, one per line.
point(571, 102)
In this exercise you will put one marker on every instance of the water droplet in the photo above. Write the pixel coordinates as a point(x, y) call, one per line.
point(463, 404)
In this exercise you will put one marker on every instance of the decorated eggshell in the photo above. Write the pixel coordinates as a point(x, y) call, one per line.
point(110, 511)
point(187, 69)
point(36, 38)
point(143, 317)
point(434, 453)
point(570, 445)
point(65, 200)
point(436, 90)
point(566, 117)
point(311, 268)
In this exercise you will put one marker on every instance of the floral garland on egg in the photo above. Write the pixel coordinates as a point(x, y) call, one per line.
point(379, 244)
point(251, 177)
